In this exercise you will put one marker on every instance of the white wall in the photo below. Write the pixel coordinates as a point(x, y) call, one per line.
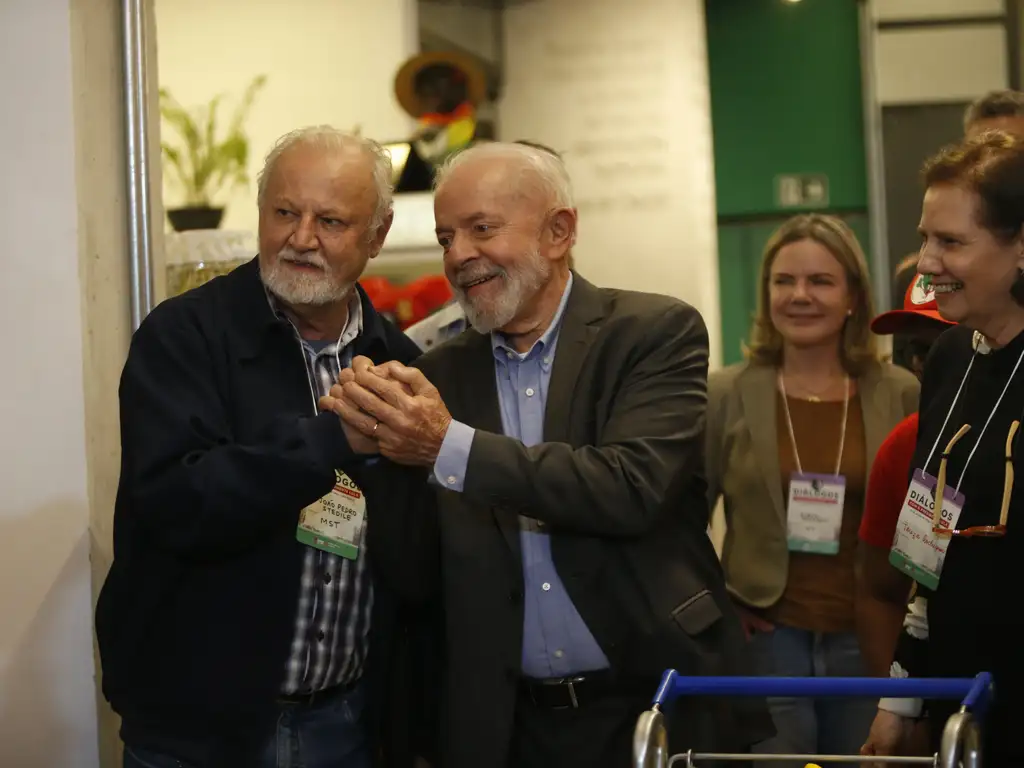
point(327, 61)
point(47, 704)
point(934, 63)
point(471, 28)
point(905, 10)
point(621, 88)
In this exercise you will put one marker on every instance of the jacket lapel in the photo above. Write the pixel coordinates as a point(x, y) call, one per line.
point(579, 329)
point(479, 408)
point(758, 398)
point(477, 403)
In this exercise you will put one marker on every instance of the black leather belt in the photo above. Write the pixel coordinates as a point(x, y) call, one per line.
point(579, 690)
point(314, 697)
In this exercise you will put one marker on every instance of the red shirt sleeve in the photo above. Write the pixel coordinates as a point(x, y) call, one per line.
point(887, 484)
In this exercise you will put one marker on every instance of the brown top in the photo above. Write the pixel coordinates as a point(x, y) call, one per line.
point(820, 588)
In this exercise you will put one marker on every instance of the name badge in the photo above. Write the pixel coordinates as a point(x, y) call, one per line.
point(334, 523)
point(916, 550)
point(814, 515)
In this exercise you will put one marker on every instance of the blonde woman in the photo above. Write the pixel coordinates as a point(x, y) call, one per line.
point(790, 439)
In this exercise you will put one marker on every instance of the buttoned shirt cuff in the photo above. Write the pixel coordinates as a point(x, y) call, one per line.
point(453, 458)
point(910, 708)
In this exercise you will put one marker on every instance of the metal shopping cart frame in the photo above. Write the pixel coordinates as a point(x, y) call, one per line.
point(961, 738)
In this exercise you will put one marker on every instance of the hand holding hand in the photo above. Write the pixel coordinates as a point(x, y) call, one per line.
point(398, 407)
point(335, 401)
point(888, 734)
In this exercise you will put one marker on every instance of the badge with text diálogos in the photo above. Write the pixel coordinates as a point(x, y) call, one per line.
point(814, 515)
point(916, 550)
point(334, 523)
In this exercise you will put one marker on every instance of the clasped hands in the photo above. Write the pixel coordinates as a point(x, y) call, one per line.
point(389, 409)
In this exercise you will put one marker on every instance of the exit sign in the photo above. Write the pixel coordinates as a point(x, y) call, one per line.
point(801, 190)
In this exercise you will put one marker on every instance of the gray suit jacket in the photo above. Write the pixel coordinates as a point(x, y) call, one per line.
point(619, 485)
point(743, 466)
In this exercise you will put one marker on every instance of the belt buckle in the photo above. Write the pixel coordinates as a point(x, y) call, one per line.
point(570, 684)
point(572, 694)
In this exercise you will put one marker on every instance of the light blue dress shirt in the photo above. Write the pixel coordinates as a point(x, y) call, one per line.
point(556, 640)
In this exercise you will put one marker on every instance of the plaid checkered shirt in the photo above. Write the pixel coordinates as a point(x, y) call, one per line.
point(332, 624)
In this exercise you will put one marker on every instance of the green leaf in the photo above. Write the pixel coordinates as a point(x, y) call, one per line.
point(204, 164)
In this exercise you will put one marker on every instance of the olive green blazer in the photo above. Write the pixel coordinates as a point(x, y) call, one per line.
point(743, 466)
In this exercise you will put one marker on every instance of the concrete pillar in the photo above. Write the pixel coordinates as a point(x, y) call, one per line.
point(621, 88)
point(63, 305)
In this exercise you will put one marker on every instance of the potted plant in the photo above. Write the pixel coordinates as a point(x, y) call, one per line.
point(200, 161)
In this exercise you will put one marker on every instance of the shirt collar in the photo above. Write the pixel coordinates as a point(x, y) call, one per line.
point(353, 327)
point(502, 349)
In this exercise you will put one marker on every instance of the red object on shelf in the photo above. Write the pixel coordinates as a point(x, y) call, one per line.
point(383, 294)
point(421, 298)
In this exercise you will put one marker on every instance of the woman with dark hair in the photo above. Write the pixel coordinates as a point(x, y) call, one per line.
point(966, 559)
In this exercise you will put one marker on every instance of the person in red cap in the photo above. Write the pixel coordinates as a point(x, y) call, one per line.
point(882, 591)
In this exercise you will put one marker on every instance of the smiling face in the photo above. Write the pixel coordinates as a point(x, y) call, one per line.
point(808, 295)
point(503, 243)
point(315, 224)
point(971, 269)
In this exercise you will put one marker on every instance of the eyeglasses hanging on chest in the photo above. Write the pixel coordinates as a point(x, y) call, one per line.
point(999, 529)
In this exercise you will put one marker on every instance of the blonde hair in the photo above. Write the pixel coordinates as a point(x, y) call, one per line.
point(858, 349)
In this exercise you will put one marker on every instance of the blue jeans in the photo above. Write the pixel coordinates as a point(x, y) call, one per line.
point(331, 734)
point(830, 726)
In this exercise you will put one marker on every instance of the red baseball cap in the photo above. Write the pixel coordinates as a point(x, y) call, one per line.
point(919, 302)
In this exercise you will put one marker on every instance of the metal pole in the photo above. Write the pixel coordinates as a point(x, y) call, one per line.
point(873, 145)
point(140, 235)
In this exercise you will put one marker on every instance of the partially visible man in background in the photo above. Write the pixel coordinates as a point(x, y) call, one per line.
point(257, 554)
point(997, 110)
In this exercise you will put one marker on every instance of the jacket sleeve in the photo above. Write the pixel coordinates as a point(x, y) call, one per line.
point(910, 659)
point(184, 478)
point(714, 441)
point(654, 432)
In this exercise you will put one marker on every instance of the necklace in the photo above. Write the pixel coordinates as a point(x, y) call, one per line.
point(808, 394)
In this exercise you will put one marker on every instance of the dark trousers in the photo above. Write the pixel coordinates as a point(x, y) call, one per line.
point(327, 734)
point(597, 735)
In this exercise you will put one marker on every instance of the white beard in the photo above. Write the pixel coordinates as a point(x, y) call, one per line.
point(303, 289)
point(520, 284)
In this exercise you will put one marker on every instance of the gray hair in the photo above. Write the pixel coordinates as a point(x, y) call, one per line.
point(543, 164)
point(995, 104)
point(327, 137)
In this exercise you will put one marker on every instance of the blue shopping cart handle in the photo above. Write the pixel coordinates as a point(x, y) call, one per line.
point(974, 691)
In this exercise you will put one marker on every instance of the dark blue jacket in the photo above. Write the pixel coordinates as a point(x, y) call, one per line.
point(220, 452)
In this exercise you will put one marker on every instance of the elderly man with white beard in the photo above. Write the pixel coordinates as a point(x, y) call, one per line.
point(254, 614)
point(564, 438)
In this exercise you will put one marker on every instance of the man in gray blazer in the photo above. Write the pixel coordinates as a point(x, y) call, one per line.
point(563, 434)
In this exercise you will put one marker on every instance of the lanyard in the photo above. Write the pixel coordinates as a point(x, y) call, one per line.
point(992, 413)
point(311, 367)
point(792, 434)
